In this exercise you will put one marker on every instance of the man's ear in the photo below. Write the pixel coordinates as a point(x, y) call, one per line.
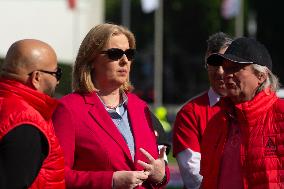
point(262, 77)
point(35, 80)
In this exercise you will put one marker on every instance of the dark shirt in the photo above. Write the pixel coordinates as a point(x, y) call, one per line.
point(162, 138)
point(22, 152)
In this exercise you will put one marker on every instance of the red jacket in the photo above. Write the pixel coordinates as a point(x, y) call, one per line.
point(261, 121)
point(93, 146)
point(23, 105)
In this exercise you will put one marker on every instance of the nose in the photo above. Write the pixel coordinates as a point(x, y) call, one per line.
point(220, 70)
point(123, 60)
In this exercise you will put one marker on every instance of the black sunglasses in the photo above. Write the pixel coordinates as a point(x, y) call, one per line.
point(116, 54)
point(57, 74)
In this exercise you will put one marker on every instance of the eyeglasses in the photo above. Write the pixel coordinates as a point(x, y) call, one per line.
point(116, 54)
point(57, 74)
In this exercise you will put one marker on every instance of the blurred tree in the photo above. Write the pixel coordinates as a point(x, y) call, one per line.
point(270, 29)
point(186, 29)
point(187, 25)
point(64, 86)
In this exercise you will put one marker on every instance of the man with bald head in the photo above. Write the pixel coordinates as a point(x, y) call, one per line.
point(30, 155)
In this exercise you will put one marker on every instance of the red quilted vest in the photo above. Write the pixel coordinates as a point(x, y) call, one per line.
point(261, 121)
point(19, 105)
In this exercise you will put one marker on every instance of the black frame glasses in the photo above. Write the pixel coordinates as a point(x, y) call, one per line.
point(57, 74)
point(116, 54)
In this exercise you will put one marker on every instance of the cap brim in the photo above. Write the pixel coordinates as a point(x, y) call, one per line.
point(217, 59)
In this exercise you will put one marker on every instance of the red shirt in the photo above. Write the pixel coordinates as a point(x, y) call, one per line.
point(191, 122)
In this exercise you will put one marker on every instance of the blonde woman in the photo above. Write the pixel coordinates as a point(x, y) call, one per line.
point(104, 129)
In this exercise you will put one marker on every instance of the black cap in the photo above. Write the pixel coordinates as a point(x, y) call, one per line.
point(243, 51)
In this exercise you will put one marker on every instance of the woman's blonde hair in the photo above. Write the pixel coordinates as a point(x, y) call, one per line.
point(93, 43)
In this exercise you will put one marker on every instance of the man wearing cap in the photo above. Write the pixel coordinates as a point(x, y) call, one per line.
point(243, 147)
point(30, 154)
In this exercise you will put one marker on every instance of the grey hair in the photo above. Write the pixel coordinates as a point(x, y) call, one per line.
point(216, 42)
point(272, 80)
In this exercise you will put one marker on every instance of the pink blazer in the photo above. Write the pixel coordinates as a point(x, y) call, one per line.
point(93, 146)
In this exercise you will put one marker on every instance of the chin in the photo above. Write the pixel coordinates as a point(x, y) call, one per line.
point(119, 82)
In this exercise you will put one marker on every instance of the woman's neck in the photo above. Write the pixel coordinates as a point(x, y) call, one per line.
point(111, 99)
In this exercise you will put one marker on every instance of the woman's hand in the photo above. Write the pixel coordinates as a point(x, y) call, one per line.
point(155, 167)
point(128, 179)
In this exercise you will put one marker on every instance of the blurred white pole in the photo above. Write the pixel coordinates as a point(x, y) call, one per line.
point(76, 30)
point(252, 24)
point(158, 56)
point(125, 13)
point(239, 21)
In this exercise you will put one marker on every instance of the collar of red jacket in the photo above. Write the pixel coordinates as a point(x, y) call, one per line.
point(43, 103)
point(250, 111)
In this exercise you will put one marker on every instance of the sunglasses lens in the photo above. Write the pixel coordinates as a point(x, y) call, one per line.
point(130, 53)
point(115, 54)
point(58, 73)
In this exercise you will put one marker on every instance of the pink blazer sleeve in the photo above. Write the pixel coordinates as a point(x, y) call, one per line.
point(65, 130)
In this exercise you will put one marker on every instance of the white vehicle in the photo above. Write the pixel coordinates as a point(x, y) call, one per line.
point(52, 21)
point(280, 93)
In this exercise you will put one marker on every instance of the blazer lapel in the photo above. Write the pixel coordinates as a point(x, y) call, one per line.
point(101, 116)
point(135, 118)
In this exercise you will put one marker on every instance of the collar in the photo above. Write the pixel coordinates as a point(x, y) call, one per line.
point(118, 107)
point(124, 98)
point(249, 111)
point(214, 98)
point(41, 102)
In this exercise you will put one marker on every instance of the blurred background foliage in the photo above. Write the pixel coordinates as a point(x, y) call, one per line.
point(187, 25)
